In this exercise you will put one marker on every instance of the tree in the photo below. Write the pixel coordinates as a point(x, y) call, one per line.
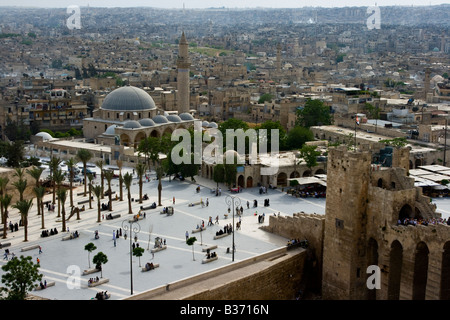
point(265, 97)
point(21, 276)
point(309, 155)
point(53, 166)
point(24, 207)
point(40, 193)
point(190, 242)
point(314, 113)
point(70, 167)
point(140, 171)
point(98, 193)
point(62, 196)
point(90, 178)
point(109, 174)
point(84, 156)
point(35, 173)
point(120, 165)
point(58, 178)
point(297, 137)
point(3, 182)
point(398, 142)
point(89, 248)
point(138, 251)
point(99, 259)
point(273, 125)
point(127, 179)
point(219, 174)
point(15, 153)
point(99, 164)
point(20, 184)
point(5, 200)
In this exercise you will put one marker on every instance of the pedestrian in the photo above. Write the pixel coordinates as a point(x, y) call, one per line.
point(248, 205)
point(114, 242)
point(40, 249)
point(38, 261)
point(173, 200)
point(207, 202)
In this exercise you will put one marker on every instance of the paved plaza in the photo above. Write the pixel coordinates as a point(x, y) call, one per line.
point(64, 261)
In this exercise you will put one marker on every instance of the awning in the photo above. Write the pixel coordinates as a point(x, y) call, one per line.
point(309, 180)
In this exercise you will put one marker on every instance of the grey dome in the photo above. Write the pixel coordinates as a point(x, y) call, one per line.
point(132, 124)
point(174, 118)
point(111, 130)
point(147, 122)
point(212, 125)
point(205, 123)
point(128, 98)
point(186, 116)
point(160, 119)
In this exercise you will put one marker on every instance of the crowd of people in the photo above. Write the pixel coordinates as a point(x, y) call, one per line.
point(46, 233)
point(423, 222)
point(102, 295)
point(93, 280)
point(227, 229)
point(149, 266)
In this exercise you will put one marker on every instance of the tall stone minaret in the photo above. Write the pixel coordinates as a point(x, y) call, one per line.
point(183, 64)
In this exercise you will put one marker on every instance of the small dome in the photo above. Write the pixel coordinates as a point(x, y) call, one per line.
point(212, 125)
point(186, 116)
point(111, 130)
point(205, 123)
point(160, 119)
point(44, 135)
point(174, 118)
point(132, 124)
point(147, 122)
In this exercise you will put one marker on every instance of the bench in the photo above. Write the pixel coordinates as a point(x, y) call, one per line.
point(158, 249)
point(99, 282)
point(148, 207)
point(69, 237)
point(112, 216)
point(136, 219)
point(221, 236)
point(90, 271)
point(4, 245)
point(30, 247)
point(83, 202)
point(206, 260)
point(194, 203)
point(49, 284)
point(155, 265)
point(198, 230)
point(209, 248)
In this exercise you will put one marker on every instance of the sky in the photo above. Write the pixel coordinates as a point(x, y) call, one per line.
point(194, 4)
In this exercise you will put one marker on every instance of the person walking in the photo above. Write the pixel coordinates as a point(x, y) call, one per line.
point(187, 235)
point(40, 249)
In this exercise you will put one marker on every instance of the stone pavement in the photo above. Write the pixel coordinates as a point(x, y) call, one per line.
point(64, 261)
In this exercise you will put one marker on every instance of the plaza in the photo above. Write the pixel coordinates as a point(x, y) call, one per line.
point(63, 262)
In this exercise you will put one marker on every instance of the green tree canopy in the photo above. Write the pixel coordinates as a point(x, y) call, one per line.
point(21, 276)
point(309, 154)
point(314, 113)
point(297, 137)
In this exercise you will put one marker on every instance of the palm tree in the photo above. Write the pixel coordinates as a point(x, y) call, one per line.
point(62, 196)
point(24, 207)
point(98, 193)
point(99, 164)
point(127, 179)
point(91, 178)
point(89, 248)
point(109, 174)
point(71, 164)
point(35, 173)
point(3, 182)
point(58, 178)
point(84, 156)
point(120, 165)
point(20, 185)
point(159, 174)
point(54, 165)
point(140, 171)
point(5, 202)
point(40, 193)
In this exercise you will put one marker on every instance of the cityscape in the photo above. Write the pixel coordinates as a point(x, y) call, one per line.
point(116, 182)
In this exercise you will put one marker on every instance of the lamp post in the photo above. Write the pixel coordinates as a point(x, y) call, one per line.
point(136, 230)
point(232, 201)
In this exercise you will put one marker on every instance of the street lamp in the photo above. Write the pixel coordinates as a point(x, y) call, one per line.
point(232, 201)
point(136, 230)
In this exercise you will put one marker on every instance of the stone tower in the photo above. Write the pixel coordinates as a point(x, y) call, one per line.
point(427, 83)
point(344, 259)
point(183, 64)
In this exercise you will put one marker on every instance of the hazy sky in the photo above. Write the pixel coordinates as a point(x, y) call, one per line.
point(219, 3)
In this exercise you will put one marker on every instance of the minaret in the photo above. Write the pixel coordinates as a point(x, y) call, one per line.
point(427, 83)
point(183, 65)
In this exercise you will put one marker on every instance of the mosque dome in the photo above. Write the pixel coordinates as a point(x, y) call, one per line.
point(212, 125)
point(186, 116)
point(45, 135)
point(147, 122)
point(174, 118)
point(160, 119)
point(205, 124)
point(131, 124)
point(111, 130)
point(128, 98)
